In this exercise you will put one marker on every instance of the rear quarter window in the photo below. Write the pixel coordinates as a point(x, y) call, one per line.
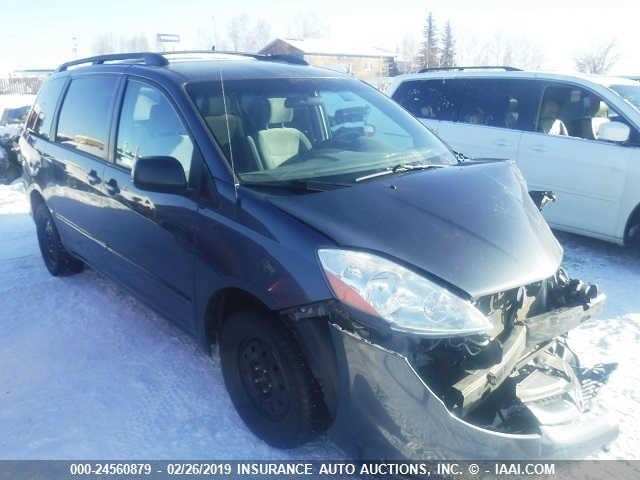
point(430, 99)
point(41, 116)
point(85, 115)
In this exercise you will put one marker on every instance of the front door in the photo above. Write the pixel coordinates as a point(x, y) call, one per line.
point(565, 156)
point(151, 236)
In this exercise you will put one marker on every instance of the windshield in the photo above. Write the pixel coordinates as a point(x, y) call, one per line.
point(631, 93)
point(310, 128)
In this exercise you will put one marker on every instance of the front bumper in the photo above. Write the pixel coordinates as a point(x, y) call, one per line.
point(386, 411)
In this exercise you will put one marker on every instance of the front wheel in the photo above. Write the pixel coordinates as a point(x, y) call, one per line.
point(269, 381)
point(56, 258)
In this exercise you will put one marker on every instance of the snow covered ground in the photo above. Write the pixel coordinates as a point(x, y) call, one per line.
point(86, 371)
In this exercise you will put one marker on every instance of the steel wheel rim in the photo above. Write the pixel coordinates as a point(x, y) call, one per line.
point(262, 377)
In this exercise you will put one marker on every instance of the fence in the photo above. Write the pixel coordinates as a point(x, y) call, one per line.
point(20, 86)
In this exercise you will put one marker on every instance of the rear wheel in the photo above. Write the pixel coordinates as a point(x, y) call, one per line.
point(56, 258)
point(269, 381)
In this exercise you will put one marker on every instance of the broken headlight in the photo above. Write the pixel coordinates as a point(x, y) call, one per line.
point(408, 301)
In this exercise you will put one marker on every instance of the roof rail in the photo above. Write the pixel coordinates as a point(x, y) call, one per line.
point(148, 58)
point(285, 58)
point(479, 67)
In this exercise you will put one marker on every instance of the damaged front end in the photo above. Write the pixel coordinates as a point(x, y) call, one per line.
point(516, 392)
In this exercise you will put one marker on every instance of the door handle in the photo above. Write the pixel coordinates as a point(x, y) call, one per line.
point(112, 187)
point(93, 177)
point(502, 143)
point(538, 148)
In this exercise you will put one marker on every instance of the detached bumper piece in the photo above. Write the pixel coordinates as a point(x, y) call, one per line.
point(531, 404)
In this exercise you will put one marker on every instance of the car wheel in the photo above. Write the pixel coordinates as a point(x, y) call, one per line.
point(56, 258)
point(269, 381)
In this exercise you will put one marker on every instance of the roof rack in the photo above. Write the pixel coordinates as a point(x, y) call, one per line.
point(160, 60)
point(285, 58)
point(487, 67)
point(147, 58)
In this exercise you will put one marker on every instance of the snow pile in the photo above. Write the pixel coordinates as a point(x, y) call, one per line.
point(89, 372)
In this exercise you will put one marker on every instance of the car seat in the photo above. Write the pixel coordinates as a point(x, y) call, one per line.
point(277, 142)
point(550, 123)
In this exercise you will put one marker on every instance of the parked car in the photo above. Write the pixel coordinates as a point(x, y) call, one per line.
point(576, 135)
point(353, 275)
point(13, 111)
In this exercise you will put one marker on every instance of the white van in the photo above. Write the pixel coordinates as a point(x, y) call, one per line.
point(576, 135)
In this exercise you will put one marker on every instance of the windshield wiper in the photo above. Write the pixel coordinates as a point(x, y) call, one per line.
point(400, 168)
point(296, 185)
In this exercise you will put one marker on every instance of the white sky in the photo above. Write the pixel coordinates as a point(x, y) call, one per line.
point(37, 33)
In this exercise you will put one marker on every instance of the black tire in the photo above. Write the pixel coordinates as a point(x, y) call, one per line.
point(56, 258)
point(269, 381)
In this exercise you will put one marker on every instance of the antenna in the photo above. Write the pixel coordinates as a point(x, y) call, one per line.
point(236, 182)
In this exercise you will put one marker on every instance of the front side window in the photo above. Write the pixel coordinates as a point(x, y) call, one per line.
point(85, 116)
point(149, 127)
point(312, 128)
point(41, 116)
point(631, 93)
point(573, 111)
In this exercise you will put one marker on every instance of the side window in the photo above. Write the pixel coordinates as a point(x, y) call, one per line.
point(41, 116)
point(575, 112)
point(429, 99)
point(502, 103)
point(85, 116)
point(149, 126)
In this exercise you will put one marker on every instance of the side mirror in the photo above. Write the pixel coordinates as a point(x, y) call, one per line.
point(614, 132)
point(159, 174)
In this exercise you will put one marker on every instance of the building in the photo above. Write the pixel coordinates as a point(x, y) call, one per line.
point(361, 62)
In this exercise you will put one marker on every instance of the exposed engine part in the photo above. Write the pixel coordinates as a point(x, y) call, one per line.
point(521, 366)
point(594, 378)
point(479, 383)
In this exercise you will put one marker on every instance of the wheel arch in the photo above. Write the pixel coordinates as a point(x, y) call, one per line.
point(312, 335)
point(633, 223)
point(35, 199)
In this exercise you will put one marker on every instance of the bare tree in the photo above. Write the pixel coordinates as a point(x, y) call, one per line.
point(104, 43)
point(108, 43)
point(238, 31)
point(134, 43)
point(259, 36)
point(500, 49)
point(248, 36)
point(448, 50)
point(599, 60)
point(307, 25)
point(428, 54)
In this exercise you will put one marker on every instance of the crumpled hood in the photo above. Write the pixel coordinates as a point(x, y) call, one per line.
point(473, 226)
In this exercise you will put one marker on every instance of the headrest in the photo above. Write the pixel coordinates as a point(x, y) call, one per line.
point(163, 120)
point(279, 112)
point(603, 110)
point(550, 109)
point(215, 106)
point(591, 105)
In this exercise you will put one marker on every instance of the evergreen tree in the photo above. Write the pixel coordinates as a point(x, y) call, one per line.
point(448, 53)
point(428, 55)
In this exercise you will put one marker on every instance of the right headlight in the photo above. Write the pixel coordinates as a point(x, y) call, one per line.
point(406, 300)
